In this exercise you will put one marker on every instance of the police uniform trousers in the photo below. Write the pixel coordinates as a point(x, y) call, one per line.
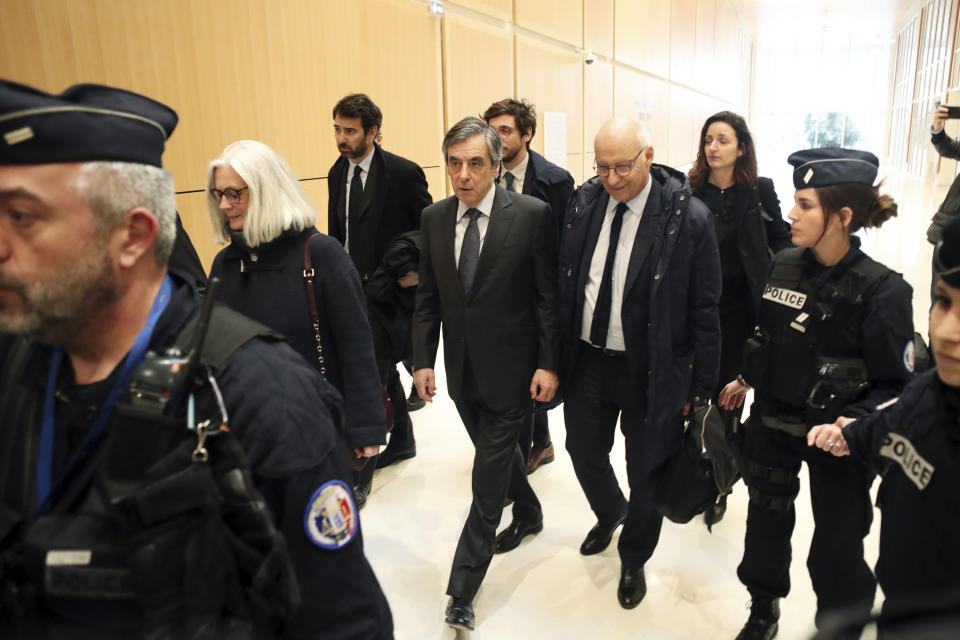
point(601, 392)
point(842, 513)
point(498, 466)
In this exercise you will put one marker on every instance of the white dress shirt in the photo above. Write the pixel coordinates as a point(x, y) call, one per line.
point(463, 220)
point(621, 262)
point(364, 172)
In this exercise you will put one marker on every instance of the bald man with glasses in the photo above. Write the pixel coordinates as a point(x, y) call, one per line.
point(639, 290)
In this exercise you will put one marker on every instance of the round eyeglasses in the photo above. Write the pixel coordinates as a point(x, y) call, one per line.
point(623, 170)
point(233, 195)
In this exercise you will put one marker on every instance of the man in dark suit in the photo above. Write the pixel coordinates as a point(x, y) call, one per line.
point(639, 289)
point(523, 170)
point(488, 276)
point(375, 196)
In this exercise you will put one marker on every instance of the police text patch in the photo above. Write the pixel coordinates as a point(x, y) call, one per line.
point(783, 296)
point(331, 517)
point(901, 450)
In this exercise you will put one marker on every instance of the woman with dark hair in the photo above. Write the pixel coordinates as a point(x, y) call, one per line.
point(750, 230)
point(835, 340)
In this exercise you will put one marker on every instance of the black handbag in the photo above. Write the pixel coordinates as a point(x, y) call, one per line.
point(700, 471)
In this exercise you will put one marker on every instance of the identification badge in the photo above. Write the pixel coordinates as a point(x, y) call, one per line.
point(787, 297)
point(331, 517)
point(902, 451)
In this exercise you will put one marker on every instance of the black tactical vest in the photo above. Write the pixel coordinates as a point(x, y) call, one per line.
point(146, 541)
point(807, 363)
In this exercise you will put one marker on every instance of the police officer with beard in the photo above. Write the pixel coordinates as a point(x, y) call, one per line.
point(915, 443)
point(116, 520)
point(834, 339)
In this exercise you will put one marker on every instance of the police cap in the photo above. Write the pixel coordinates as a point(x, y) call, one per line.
point(947, 254)
point(85, 122)
point(830, 165)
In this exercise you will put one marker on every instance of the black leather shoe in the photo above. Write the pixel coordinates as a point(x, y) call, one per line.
point(511, 537)
point(763, 622)
point(391, 454)
point(714, 512)
point(600, 536)
point(633, 586)
point(460, 614)
point(414, 401)
point(360, 494)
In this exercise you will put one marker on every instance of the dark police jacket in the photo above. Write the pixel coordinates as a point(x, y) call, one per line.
point(848, 328)
point(915, 443)
point(279, 412)
point(266, 283)
point(683, 336)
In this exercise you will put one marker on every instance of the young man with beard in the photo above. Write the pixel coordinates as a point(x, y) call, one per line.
point(375, 196)
point(103, 532)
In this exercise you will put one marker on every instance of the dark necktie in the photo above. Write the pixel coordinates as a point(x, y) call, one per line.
point(601, 311)
point(356, 194)
point(509, 178)
point(469, 251)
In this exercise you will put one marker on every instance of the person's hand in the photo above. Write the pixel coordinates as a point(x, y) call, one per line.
point(939, 117)
point(366, 452)
point(689, 408)
point(544, 385)
point(733, 395)
point(412, 279)
point(425, 383)
point(829, 437)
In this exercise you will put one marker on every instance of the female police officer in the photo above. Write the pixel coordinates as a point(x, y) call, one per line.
point(917, 441)
point(834, 335)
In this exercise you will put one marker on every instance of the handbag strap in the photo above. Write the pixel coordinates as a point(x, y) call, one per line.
point(308, 274)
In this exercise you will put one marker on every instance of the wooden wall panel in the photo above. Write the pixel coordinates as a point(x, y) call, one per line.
point(727, 38)
point(560, 19)
point(683, 42)
point(502, 9)
point(597, 107)
point(704, 66)
point(598, 26)
point(646, 99)
point(275, 79)
point(684, 128)
point(552, 79)
point(642, 35)
point(479, 67)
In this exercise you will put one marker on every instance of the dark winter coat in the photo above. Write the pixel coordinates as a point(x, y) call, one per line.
point(683, 334)
point(267, 284)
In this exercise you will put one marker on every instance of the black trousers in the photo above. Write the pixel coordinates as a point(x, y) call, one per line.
point(600, 393)
point(498, 467)
point(536, 433)
point(842, 513)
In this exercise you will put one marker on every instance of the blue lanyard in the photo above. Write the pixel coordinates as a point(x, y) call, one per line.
point(45, 456)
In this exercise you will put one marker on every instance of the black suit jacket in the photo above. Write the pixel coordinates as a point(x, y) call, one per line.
point(508, 323)
point(393, 197)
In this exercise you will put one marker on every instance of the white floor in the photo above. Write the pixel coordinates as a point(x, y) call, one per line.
point(545, 588)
